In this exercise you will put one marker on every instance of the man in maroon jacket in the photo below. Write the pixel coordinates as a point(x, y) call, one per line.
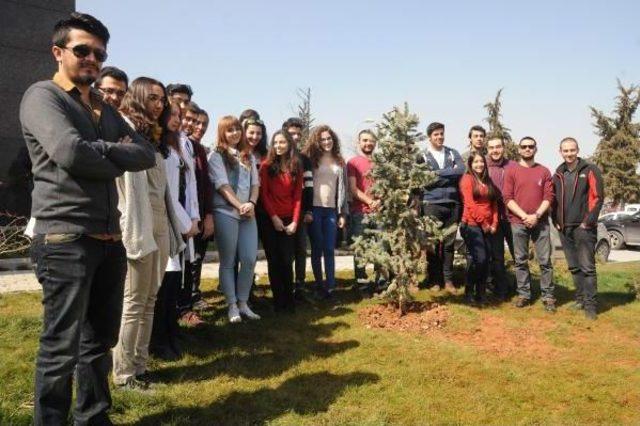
point(528, 194)
point(579, 196)
point(498, 165)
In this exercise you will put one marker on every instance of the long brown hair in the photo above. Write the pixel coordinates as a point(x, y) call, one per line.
point(313, 150)
point(222, 144)
point(133, 106)
point(169, 138)
point(289, 162)
point(483, 178)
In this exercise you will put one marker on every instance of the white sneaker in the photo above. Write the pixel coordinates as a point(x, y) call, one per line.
point(247, 312)
point(234, 313)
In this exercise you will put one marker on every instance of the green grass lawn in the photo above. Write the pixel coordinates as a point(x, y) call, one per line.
point(498, 365)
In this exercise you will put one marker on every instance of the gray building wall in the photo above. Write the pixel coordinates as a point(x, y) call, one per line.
point(25, 57)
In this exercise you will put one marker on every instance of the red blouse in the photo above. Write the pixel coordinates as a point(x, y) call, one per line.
point(480, 212)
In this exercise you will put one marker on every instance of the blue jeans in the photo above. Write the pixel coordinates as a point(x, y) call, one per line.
point(83, 287)
point(236, 238)
point(322, 232)
point(478, 258)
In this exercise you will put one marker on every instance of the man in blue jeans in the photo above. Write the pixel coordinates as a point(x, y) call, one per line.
point(78, 146)
point(579, 194)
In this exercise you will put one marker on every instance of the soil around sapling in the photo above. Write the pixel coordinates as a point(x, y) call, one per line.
point(420, 317)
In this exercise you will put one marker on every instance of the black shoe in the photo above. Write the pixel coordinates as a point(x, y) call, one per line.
point(482, 300)
point(468, 300)
point(549, 306)
point(144, 378)
point(133, 384)
point(521, 302)
point(590, 314)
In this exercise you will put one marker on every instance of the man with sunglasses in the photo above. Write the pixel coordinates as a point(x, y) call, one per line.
point(112, 82)
point(528, 194)
point(78, 146)
point(579, 196)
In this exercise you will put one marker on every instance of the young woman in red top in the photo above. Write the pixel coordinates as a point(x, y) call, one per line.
point(479, 220)
point(281, 197)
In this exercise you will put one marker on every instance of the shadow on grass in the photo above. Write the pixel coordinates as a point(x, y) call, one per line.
point(264, 348)
point(306, 394)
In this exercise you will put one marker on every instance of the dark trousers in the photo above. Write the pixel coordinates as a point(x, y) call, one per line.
point(300, 255)
point(185, 290)
point(579, 247)
point(440, 260)
point(83, 286)
point(478, 258)
point(279, 248)
point(540, 235)
point(165, 316)
point(498, 272)
point(200, 246)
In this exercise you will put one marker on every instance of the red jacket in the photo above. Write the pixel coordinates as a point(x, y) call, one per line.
point(480, 212)
point(281, 195)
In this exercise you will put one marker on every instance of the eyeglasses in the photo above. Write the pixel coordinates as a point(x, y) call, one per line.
point(82, 51)
point(111, 91)
point(531, 147)
point(329, 139)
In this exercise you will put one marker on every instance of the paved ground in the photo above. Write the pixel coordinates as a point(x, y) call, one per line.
point(15, 281)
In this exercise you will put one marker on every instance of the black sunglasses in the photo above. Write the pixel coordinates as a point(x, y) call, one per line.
point(82, 51)
point(528, 147)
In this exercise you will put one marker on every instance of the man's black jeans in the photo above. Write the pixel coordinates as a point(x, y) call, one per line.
point(502, 286)
point(579, 247)
point(440, 260)
point(83, 283)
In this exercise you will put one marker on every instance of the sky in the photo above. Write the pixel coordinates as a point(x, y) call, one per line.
point(554, 59)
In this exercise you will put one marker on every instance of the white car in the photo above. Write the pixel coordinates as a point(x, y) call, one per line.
point(612, 216)
point(632, 208)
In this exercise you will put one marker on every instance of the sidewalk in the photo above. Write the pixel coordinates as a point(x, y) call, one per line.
point(16, 281)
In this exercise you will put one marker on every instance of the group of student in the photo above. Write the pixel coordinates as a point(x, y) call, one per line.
point(126, 200)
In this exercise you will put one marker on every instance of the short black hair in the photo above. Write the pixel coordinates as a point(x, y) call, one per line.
point(292, 122)
point(180, 88)
point(78, 21)
point(477, 128)
point(249, 113)
point(433, 127)
point(528, 138)
point(192, 107)
point(113, 72)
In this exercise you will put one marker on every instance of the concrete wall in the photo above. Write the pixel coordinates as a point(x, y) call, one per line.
point(25, 57)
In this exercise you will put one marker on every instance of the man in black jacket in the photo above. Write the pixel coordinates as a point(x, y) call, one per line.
point(579, 194)
point(78, 145)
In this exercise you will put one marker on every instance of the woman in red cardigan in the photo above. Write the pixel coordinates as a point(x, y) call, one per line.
point(479, 219)
point(281, 197)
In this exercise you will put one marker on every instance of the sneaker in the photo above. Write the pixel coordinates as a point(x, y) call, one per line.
point(201, 305)
point(448, 286)
point(590, 314)
point(549, 306)
point(234, 313)
point(521, 302)
point(133, 384)
point(244, 309)
point(190, 319)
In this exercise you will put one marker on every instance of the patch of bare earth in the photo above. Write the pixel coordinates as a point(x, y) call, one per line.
point(495, 336)
point(419, 317)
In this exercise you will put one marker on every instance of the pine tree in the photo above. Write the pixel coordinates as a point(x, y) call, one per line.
point(497, 129)
point(304, 114)
point(618, 152)
point(401, 232)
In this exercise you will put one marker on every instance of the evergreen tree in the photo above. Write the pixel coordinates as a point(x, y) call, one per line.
point(618, 152)
point(401, 234)
point(497, 129)
point(304, 114)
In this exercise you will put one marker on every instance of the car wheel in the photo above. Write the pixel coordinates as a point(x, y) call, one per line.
point(602, 251)
point(617, 240)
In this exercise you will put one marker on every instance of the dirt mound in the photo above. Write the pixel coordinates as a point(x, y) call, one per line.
point(419, 317)
point(495, 336)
